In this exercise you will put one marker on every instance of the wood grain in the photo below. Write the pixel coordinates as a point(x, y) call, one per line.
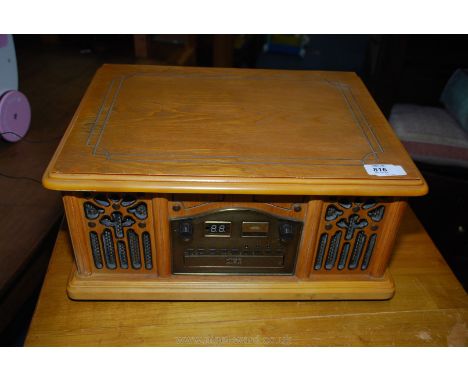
point(213, 288)
point(285, 210)
point(78, 233)
point(430, 308)
point(385, 230)
point(238, 131)
point(308, 281)
point(163, 241)
point(245, 134)
point(384, 247)
point(80, 230)
point(309, 238)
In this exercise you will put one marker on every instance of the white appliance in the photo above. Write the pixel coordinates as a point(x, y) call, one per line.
point(15, 112)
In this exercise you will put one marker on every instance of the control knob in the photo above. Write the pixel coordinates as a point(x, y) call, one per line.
point(186, 230)
point(286, 231)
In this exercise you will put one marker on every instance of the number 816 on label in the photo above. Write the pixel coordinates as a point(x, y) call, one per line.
point(384, 170)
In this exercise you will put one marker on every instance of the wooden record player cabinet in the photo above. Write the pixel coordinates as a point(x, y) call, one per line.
point(230, 184)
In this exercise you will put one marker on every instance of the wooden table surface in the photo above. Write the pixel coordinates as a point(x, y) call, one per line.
point(430, 307)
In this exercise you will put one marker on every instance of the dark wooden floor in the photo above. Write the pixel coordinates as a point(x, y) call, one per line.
point(54, 78)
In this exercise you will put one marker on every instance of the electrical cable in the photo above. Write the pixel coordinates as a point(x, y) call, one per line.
point(20, 177)
point(29, 141)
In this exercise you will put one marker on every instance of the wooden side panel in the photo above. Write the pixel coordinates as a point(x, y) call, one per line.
point(77, 230)
point(163, 240)
point(385, 246)
point(309, 238)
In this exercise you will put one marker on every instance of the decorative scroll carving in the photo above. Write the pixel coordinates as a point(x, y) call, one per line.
point(348, 234)
point(118, 239)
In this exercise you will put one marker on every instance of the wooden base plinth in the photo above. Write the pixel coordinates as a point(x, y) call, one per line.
point(216, 288)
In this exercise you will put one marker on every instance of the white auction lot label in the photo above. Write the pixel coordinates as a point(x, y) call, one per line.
point(384, 170)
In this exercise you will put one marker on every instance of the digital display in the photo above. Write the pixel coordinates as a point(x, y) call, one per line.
point(217, 229)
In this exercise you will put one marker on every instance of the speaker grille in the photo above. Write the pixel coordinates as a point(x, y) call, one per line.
point(348, 234)
point(119, 234)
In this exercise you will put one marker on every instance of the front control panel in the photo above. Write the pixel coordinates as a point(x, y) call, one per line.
point(234, 241)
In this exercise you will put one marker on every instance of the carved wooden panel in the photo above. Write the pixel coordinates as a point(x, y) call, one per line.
point(291, 207)
point(350, 230)
point(118, 232)
point(129, 232)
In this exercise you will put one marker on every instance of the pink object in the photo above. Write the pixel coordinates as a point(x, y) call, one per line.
point(15, 115)
point(3, 40)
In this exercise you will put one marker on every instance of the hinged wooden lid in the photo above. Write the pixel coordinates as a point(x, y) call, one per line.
point(205, 130)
